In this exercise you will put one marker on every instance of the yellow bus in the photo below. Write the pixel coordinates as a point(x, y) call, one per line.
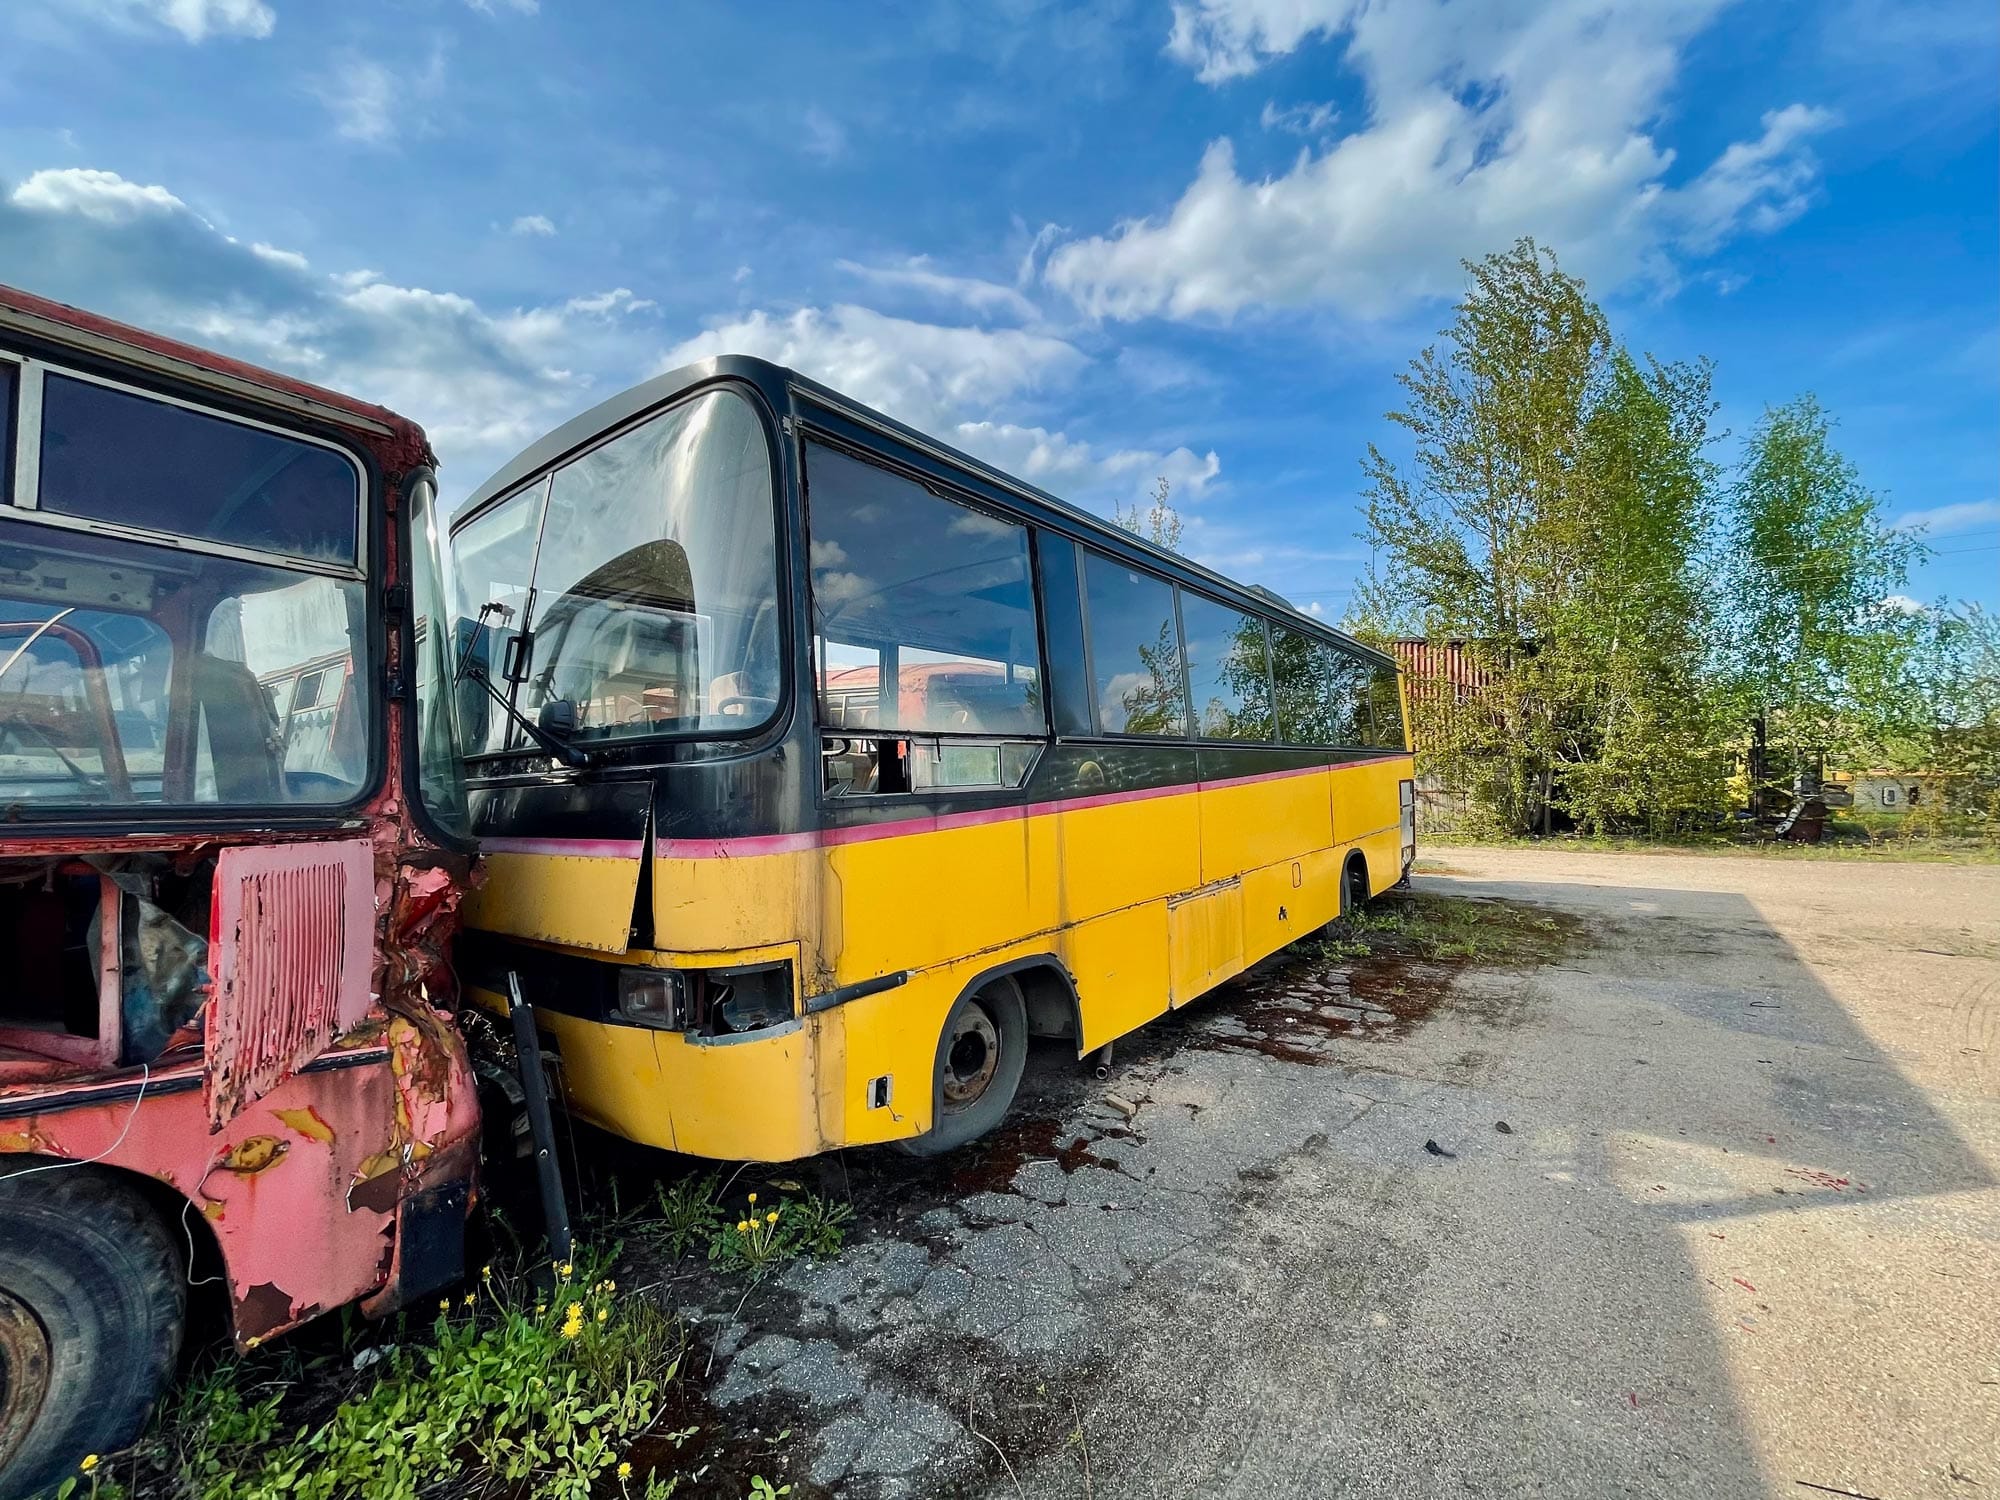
point(818, 766)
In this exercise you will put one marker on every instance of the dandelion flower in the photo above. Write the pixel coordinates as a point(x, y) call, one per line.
point(540, 1308)
point(610, 1286)
point(603, 1316)
point(753, 1197)
point(742, 1226)
point(89, 1463)
point(771, 1217)
point(575, 1309)
point(571, 1329)
point(625, 1470)
point(444, 1304)
point(486, 1272)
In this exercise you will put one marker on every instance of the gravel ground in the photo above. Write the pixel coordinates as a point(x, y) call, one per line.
point(1706, 1207)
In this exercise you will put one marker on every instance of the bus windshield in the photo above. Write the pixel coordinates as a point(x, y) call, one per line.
point(224, 664)
point(645, 575)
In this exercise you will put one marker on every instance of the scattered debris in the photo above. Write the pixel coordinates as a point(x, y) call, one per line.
point(1742, 1283)
point(1123, 1105)
point(1503, 1127)
point(1436, 1150)
point(1834, 1489)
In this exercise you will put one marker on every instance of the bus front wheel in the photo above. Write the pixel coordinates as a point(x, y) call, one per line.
point(979, 1061)
point(92, 1297)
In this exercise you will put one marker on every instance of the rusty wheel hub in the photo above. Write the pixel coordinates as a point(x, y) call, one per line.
point(24, 1372)
point(971, 1057)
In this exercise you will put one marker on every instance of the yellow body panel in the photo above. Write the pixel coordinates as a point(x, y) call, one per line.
point(578, 901)
point(1143, 901)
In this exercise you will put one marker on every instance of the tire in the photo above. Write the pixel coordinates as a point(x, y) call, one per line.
point(981, 1052)
point(1354, 887)
point(93, 1296)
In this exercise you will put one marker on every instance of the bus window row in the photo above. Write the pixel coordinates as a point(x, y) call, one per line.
point(917, 590)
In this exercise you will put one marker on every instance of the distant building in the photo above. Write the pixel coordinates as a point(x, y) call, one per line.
point(1886, 791)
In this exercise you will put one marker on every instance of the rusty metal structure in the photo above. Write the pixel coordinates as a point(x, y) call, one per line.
point(227, 1035)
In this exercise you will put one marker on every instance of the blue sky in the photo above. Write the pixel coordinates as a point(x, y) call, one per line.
point(1094, 244)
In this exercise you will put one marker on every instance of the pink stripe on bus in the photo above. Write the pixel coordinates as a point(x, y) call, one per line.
point(861, 833)
point(572, 848)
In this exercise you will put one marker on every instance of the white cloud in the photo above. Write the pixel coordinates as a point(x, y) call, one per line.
point(1902, 604)
point(494, 7)
point(373, 103)
point(103, 196)
point(1299, 119)
point(196, 20)
point(917, 275)
point(1486, 120)
point(825, 137)
point(362, 95)
point(532, 224)
point(482, 381)
point(923, 373)
point(949, 381)
point(1952, 520)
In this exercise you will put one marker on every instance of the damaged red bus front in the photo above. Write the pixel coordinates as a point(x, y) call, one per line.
point(228, 870)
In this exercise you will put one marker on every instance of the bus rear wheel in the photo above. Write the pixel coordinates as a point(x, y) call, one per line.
point(980, 1056)
point(92, 1299)
point(1354, 894)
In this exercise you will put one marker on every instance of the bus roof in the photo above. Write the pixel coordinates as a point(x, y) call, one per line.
point(59, 323)
point(778, 383)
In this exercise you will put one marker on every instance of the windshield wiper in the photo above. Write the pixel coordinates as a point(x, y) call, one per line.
point(570, 755)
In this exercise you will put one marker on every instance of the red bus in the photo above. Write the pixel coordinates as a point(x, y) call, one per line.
point(229, 870)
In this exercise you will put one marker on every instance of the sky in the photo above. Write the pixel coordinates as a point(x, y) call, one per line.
point(1095, 244)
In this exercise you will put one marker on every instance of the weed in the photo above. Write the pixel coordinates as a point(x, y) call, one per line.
point(542, 1401)
point(690, 1212)
point(762, 1489)
point(1446, 929)
point(768, 1237)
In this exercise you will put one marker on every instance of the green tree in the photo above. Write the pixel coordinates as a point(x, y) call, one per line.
point(1159, 523)
point(1816, 656)
point(1551, 521)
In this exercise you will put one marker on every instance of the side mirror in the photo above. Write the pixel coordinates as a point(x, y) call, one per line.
point(558, 718)
point(515, 660)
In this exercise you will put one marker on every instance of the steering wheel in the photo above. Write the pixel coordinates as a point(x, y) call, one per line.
point(745, 706)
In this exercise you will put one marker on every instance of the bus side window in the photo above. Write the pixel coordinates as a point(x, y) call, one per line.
point(1385, 703)
point(924, 609)
point(1135, 649)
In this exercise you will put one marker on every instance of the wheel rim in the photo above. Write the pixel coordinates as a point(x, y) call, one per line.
point(24, 1372)
point(971, 1057)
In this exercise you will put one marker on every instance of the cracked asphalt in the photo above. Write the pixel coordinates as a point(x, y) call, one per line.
point(1712, 1211)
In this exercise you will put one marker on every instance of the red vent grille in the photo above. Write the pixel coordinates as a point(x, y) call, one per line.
point(291, 955)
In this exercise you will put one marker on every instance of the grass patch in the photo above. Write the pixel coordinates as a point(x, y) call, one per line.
point(531, 1382)
point(1430, 928)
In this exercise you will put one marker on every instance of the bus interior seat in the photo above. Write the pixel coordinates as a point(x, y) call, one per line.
point(242, 730)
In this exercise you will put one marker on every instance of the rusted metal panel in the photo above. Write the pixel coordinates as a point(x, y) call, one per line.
point(291, 950)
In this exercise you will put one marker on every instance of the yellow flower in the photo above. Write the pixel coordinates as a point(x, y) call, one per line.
point(89, 1462)
point(742, 1226)
point(486, 1272)
point(771, 1217)
point(574, 1310)
point(444, 1304)
point(540, 1308)
point(572, 1328)
point(470, 1298)
point(610, 1286)
point(602, 1315)
point(625, 1470)
point(753, 1197)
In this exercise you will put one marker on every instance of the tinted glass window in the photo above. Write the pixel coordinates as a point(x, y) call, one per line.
point(1135, 649)
point(492, 560)
point(1385, 704)
point(656, 592)
point(135, 674)
point(113, 456)
point(930, 594)
point(1320, 691)
point(1227, 674)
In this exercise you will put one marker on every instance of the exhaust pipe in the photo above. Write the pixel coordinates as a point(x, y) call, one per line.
point(1100, 1061)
